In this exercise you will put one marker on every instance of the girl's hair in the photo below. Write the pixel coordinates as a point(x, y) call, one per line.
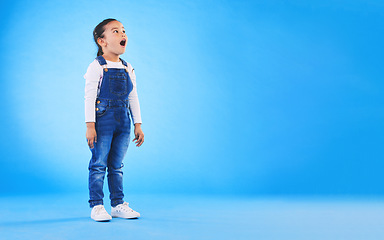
point(98, 33)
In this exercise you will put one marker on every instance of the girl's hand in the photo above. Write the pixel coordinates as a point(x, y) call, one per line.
point(139, 135)
point(91, 134)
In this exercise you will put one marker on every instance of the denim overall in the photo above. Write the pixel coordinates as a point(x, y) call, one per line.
point(113, 126)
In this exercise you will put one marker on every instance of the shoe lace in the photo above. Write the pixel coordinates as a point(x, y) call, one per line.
point(126, 208)
point(99, 209)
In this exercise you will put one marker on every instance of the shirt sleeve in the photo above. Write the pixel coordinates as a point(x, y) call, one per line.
point(92, 79)
point(133, 98)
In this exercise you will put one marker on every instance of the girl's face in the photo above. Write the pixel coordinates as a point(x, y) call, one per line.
point(114, 40)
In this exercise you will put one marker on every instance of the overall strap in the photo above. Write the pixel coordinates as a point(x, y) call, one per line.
point(125, 64)
point(102, 62)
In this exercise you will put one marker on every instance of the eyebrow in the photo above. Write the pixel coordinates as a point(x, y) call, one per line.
point(116, 28)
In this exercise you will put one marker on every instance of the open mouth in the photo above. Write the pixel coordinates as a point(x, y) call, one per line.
point(123, 42)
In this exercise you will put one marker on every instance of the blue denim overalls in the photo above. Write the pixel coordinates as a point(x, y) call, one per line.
point(113, 126)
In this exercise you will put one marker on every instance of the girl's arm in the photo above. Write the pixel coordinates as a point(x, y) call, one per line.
point(91, 134)
point(134, 107)
point(139, 135)
point(92, 79)
point(133, 99)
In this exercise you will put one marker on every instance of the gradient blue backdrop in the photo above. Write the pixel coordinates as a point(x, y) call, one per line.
point(237, 97)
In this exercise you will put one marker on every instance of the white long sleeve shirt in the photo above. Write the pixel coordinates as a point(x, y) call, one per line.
point(94, 77)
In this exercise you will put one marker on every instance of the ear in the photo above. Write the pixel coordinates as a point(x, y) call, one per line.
point(101, 42)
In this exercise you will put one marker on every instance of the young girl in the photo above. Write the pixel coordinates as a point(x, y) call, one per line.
point(110, 100)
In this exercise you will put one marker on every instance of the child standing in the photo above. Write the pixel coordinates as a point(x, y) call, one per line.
point(110, 100)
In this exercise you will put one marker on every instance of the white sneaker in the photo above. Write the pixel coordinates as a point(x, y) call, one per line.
point(123, 211)
point(99, 214)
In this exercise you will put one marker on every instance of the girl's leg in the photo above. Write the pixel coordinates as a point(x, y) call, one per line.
point(98, 164)
point(118, 150)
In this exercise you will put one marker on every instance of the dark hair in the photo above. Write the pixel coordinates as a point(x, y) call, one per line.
point(98, 33)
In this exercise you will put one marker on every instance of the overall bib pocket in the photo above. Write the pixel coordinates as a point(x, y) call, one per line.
point(118, 84)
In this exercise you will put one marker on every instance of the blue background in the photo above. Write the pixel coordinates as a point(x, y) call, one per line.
point(237, 97)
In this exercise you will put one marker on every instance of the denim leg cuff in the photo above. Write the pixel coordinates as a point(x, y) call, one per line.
point(94, 203)
point(114, 203)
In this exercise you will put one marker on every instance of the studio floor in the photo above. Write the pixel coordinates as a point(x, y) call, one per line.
point(195, 217)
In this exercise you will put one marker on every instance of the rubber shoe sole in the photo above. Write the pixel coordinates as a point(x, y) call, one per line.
point(123, 215)
point(102, 219)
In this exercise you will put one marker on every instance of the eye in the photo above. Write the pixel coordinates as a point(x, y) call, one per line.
point(123, 31)
point(115, 31)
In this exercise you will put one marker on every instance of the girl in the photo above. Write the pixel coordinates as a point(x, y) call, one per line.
point(110, 100)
